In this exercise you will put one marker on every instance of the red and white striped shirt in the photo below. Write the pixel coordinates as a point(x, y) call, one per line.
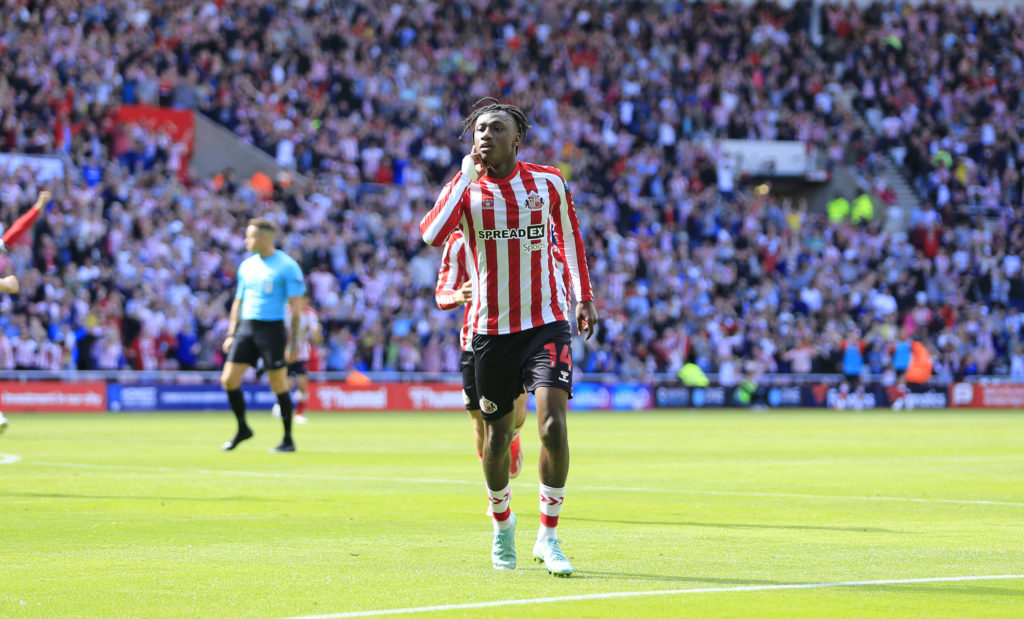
point(309, 330)
point(450, 278)
point(513, 226)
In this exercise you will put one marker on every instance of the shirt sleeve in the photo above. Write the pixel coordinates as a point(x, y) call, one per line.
point(565, 224)
point(441, 220)
point(452, 274)
point(295, 285)
point(240, 288)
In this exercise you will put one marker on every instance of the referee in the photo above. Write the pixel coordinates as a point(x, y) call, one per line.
point(268, 280)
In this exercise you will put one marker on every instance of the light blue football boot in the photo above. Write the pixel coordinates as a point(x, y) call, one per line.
point(549, 551)
point(503, 550)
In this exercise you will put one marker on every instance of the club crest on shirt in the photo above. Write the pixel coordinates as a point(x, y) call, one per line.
point(268, 285)
point(488, 202)
point(534, 201)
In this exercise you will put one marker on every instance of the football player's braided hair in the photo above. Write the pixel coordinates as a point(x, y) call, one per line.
point(493, 105)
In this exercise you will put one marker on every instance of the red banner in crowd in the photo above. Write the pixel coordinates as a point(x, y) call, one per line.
point(339, 396)
point(178, 124)
point(978, 395)
point(53, 397)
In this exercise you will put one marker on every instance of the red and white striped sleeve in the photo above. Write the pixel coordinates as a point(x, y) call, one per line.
point(452, 274)
point(441, 220)
point(570, 242)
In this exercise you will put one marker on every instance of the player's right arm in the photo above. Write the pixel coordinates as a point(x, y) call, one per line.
point(441, 220)
point(452, 278)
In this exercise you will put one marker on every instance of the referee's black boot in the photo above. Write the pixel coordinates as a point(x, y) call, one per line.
point(243, 433)
point(286, 446)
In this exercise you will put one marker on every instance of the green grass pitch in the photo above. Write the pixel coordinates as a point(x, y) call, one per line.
point(718, 513)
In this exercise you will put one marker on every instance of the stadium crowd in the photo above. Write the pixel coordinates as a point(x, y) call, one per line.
point(134, 266)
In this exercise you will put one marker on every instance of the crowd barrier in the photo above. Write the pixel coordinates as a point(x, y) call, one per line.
point(114, 395)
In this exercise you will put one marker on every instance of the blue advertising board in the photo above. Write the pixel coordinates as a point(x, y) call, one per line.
point(183, 397)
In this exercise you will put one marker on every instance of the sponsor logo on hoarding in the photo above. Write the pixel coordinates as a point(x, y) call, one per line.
point(424, 396)
point(963, 394)
point(784, 396)
point(53, 396)
point(670, 397)
point(333, 398)
point(868, 399)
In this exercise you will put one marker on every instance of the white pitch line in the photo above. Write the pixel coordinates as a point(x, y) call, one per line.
point(466, 482)
point(9, 458)
point(630, 594)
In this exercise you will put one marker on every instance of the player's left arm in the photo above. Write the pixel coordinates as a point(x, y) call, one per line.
point(570, 242)
point(295, 288)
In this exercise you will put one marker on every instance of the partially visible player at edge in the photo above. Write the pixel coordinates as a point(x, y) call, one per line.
point(9, 284)
point(513, 214)
point(267, 281)
point(455, 289)
point(310, 335)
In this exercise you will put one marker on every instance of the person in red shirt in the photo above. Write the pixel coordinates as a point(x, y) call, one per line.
point(513, 215)
point(9, 284)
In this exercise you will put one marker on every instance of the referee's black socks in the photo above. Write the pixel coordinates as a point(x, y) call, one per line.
point(284, 400)
point(237, 401)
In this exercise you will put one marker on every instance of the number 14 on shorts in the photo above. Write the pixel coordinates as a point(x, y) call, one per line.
point(564, 357)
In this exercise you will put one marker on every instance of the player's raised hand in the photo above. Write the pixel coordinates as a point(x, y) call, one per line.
point(472, 165)
point(42, 200)
point(586, 319)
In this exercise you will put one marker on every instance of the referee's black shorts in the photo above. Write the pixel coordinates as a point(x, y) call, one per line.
point(507, 365)
point(259, 339)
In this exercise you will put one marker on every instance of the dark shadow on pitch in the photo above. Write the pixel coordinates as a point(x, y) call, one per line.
point(738, 525)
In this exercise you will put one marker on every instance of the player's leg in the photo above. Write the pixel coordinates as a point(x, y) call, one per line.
point(515, 449)
point(467, 366)
point(231, 381)
point(301, 392)
point(552, 403)
point(496, 358)
point(548, 373)
point(497, 437)
point(279, 385)
point(271, 339)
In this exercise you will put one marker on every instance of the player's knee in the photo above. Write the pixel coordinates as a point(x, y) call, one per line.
point(228, 384)
point(553, 431)
point(497, 439)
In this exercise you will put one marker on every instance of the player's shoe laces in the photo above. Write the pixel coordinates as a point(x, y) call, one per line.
point(549, 551)
point(243, 434)
point(503, 550)
point(286, 446)
point(3, 423)
point(516, 466)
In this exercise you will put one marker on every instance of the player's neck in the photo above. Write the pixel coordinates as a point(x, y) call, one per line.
point(266, 253)
point(504, 170)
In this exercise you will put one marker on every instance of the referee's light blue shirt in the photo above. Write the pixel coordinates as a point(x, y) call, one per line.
point(265, 285)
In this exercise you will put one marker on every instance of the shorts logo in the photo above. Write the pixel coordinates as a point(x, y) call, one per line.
point(534, 201)
point(532, 232)
point(487, 406)
point(564, 376)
